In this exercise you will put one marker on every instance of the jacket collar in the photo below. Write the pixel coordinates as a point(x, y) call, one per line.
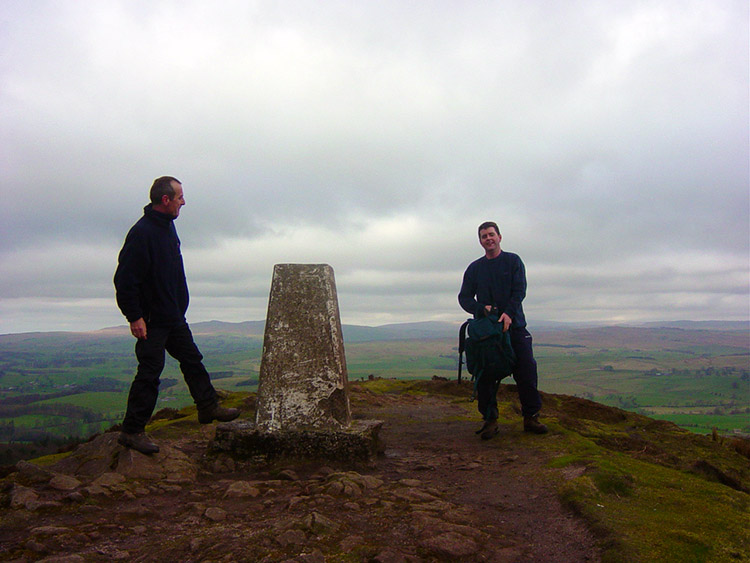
point(158, 216)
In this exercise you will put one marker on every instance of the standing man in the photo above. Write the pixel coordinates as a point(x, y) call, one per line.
point(495, 284)
point(152, 293)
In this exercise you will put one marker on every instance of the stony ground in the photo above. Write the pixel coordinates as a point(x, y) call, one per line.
point(438, 493)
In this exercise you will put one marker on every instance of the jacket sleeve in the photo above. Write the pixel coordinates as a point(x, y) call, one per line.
point(517, 289)
point(467, 295)
point(133, 265)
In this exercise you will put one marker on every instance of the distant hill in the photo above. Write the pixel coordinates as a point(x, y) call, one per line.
point(247, 328)
point(426, 330)
point(701, 325)
point(352, 333)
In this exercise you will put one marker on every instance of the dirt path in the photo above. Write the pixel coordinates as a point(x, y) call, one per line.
point(502, 481)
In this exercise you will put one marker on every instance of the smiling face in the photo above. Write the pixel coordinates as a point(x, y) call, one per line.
point(490, 239)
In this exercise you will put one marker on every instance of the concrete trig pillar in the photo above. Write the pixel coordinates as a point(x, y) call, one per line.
point(302, 408)
point(303, 373)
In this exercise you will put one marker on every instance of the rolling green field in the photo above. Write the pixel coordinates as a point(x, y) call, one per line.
point(66, 385)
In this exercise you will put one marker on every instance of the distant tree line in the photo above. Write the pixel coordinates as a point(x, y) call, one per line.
point(50, 409)
point(221, 374)
point(247, 383)
point(95, 384)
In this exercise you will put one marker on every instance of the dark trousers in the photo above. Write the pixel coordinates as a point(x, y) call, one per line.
point(524, 373)
point(178, 341)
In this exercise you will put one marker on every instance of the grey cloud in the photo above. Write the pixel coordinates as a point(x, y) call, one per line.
point(596, 134)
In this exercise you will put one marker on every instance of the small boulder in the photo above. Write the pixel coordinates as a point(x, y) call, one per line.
point(241, 489)
point(215, 514)
point(31, 474)
point(62, 482)
point(23, 497)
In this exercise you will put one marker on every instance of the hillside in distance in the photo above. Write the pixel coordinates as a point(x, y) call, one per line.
point(60, 385)
point(442, 329)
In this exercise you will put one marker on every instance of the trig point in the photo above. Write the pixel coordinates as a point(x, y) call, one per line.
point(303, 371)
point(303, 402)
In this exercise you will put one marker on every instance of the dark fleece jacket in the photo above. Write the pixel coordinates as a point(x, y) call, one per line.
point(150, 278)
point(500, 282)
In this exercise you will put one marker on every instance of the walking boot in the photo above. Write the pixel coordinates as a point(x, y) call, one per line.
point(532, 424)
point(489, 429)
point(222, 414)
point(485, 424)
point(138, 442)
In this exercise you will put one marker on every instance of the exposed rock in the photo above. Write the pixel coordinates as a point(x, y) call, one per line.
point(136, 465)
point(23, 497)
point(315, 557)
point(49, 531)
point(75, 497)
point(451, 545)
point(350, 542)
point(390, 556)
point(291, 537)
point(289, 475)
point(92, 458)
point(223, 463)
point(427, 526)
point(414, 495)
point(109, 479)
point(31, 474)
point(138, 511)
point(240, 489)
point(95, 490)
point(104, 455)
point(215, 514)
point(297, 500)
point(36, 547)
point(410, 482)
point(343, 484)
point(63, 482)
point(319, 524)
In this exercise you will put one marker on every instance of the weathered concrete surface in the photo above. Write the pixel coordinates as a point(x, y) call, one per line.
point(303, 373)
point(303, 403)
point(244, 440)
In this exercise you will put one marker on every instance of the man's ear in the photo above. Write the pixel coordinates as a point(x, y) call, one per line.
point(165, 199)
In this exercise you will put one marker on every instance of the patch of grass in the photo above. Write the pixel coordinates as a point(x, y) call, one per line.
point(642, 493)
point(393, 386)
point(48, 460)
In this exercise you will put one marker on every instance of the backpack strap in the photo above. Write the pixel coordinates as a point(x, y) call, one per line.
point(461, 347)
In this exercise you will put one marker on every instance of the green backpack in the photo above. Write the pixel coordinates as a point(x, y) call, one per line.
point(488, 349)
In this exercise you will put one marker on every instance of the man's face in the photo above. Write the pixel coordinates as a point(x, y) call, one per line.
point(490, 240)
point(173, 205)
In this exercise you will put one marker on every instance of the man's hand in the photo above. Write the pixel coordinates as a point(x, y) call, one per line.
point(506, 320)
point(138, 329)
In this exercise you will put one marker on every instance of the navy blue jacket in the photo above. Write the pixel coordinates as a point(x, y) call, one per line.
point(150, 278)
point(500, 282)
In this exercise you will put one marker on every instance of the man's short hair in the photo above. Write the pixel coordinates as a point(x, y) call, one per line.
point(487, 225)
point(161, 187)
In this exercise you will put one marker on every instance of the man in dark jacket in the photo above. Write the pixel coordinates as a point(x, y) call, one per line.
point(495, 284)
point(152, 293)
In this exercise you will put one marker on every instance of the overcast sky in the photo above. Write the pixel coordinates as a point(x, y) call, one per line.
point(609, 139)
